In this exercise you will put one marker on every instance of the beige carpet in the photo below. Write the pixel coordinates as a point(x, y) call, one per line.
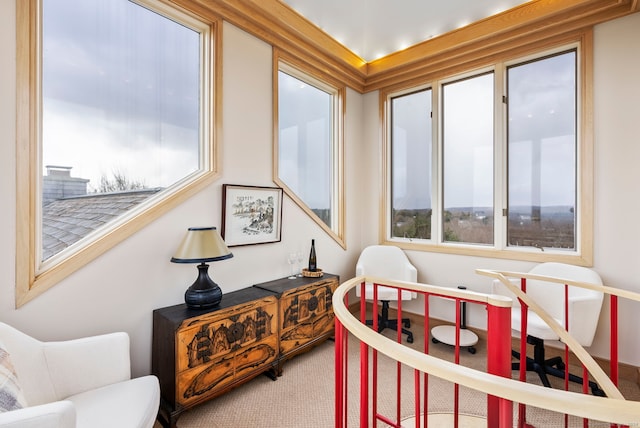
point(303, 397)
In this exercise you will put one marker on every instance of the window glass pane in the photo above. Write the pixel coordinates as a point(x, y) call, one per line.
point(411, 165)
point(542, 152)
point(468, 122)
point(121, 109)
point(305, 132)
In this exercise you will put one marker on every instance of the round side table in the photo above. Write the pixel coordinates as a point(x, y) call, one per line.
point(447, 333)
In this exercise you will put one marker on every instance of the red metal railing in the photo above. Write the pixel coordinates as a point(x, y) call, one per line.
point(501, 391)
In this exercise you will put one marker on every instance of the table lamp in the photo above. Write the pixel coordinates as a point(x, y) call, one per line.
point(202, 245)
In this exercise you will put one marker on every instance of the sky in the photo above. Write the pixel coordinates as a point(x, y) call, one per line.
point(120, 92)
point(541, 131)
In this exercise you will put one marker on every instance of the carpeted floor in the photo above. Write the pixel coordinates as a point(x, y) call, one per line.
point(303, 397)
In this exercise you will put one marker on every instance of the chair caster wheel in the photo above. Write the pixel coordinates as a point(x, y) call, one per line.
point(471, 350)
point(410, 339)
point(434, 340)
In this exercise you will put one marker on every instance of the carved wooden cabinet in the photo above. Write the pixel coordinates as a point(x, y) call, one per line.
point(305, 312)
point(199, 354)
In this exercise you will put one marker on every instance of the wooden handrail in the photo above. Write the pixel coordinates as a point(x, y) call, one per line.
point(613, 410)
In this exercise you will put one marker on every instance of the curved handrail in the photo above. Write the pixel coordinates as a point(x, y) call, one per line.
point(613, 410)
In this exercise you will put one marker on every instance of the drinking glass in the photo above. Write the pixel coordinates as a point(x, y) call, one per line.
point(291, 259)
point(300, 259)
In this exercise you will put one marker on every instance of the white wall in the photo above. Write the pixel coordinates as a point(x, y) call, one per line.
point(119, 290)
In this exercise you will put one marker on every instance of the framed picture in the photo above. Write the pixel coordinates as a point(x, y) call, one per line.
point(251, 214)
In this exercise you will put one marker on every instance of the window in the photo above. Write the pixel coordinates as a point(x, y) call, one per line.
point(308, 145)
point(122, 112)
point(507, 180)
point(467, 154)
point(542, 143)
point(411, 165)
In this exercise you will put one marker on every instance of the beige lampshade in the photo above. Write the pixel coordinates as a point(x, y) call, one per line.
point(200, 245)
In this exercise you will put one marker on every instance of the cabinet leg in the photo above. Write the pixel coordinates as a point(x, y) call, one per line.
point(272, 374)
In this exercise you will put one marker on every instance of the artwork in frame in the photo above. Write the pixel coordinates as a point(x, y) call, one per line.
point(251, 214)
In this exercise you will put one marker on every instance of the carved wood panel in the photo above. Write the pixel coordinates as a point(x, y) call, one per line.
point(217, 350)
point(305, 314)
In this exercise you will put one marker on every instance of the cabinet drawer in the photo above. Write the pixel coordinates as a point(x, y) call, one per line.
point(208, 338)
point(304, 305)
point(293, 338)
point(207, 379)
point(197, 384)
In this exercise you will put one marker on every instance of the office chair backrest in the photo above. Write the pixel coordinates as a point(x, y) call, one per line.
point(584, 304)
point(386, 261)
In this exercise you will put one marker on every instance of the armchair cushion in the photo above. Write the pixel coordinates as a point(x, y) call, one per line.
point(132, 403)
point(59, 414)
point(11, 396)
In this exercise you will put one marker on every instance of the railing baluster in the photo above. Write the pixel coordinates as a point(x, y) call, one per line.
point(398, 364)
point(499, 411)
point(374, 404)
point(524, 311)
point(340, 381)
point(426, 331)
point(456, 387)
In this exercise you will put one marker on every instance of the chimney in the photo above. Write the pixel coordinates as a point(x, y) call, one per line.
point(59, 184)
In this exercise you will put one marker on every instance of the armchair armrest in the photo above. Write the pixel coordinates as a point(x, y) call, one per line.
point(80, 365)
point(59, 414)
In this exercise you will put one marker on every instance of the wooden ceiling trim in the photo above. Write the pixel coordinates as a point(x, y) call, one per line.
point(533, 16)
point(430, 72)
point(277, 24)
point(263, 20)
point(498, 44)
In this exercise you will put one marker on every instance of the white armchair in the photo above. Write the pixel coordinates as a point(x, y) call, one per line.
point(385, 261)
point(584, 307)
point(78, 383)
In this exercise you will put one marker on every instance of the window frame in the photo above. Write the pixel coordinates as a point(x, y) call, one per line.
point(32, 279)
point(583, 253)
point(315, 77)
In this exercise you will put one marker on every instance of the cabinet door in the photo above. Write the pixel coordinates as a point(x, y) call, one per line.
point(305, 314)
point(216, 351)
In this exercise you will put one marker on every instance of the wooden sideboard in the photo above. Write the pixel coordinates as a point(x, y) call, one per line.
point(199, 354)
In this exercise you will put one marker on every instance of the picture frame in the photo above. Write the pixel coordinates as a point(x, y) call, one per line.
point(251, 214)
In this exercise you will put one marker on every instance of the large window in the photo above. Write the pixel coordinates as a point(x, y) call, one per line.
point(308, 145)
point(122, 110)
point(411, 165)
point(507, 180)
point(467, 159)
point(541, 111)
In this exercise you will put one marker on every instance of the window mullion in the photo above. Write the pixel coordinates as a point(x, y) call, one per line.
point(436, 162)
point(500, 159)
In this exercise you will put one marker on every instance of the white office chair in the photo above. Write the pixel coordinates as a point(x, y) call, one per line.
point(384, 261)
point(584, 307)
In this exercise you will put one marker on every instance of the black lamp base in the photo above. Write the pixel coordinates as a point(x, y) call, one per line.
point(203, 293)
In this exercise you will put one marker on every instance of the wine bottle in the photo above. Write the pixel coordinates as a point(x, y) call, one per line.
point(313, 264)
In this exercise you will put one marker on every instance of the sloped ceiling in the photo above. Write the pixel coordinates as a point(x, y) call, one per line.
point(374, 28)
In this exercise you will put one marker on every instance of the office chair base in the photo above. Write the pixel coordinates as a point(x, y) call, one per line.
point(385, 322)
point(552, 366)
